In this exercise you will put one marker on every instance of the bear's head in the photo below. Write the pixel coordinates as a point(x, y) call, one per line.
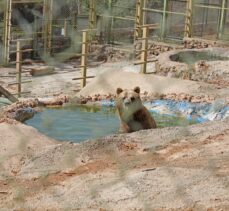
point(128, 99)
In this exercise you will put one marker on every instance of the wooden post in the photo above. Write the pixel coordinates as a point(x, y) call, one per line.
point(144, 12)
point(73, 14)
point(144, 53)
point(44, 25)
point(74, 20)
point(50, 27)
point(8, 95)
point(6, 13)
point(188, 20)
point(79, 5)
point(112, 27)
point(109, 25)
point(47, 30)
point(138, 19)
point(92, 14)
point(84, 58)
point(222, 18)
point(65, 28)
point(164, 17)
point(7, 29)
point(35, 39)
point(92, 17)
point(18, 67)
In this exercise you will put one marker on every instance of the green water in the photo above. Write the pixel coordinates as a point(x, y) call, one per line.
point(80, 123)
point(191, 57)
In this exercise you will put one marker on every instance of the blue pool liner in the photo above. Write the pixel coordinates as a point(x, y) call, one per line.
point(200, 112)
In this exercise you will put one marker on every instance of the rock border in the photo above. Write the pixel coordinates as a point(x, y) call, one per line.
point(200, 71)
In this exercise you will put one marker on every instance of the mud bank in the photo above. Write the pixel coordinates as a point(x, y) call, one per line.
point(200, 111)
point(25, 109)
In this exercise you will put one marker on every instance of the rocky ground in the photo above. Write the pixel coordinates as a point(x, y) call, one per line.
point(181, 168)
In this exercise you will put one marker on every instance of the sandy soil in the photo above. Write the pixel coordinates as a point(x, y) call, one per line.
point(109, 81)
point(61, 81)
point(109, 76)
point(161, 169)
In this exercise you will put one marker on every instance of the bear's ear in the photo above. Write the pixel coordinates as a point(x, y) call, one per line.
point(137, 89)
point(118, 91)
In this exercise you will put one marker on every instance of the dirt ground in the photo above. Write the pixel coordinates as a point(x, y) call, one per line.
point(179, 168)
point(161, 169)
point(109, 76)
point(61, 80)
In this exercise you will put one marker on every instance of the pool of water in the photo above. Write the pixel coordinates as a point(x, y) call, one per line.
point(80, 123)
point(191, 57)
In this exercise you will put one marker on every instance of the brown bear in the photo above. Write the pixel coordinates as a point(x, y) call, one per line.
point(133, 114)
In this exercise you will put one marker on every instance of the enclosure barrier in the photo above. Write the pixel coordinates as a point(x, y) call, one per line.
point(145, 47)
point(84, 56)
point(19, 71)
point(144, 52)
point(141, 9)
point(141, 29)
point(138, 19)
point(188, 20)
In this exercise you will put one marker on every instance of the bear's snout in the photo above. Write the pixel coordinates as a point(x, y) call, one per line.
point(127, 101)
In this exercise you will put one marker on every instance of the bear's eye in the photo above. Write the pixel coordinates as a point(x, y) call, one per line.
point(132, 99)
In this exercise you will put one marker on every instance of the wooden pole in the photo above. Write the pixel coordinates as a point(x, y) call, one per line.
point(144, 54)
point(109, 25)
point(92, 14)
point(7, 29)
point(188, 20)
point(205, 18)
point(79, 4)
point(65, 28)
point(8, 95)
point(144, 13)
point(4, 55)
point(44, 28)
point(48, 5)
point(164, 17)
point(50, 27)
point(73, 14)
point(84, 58)
point(222, 19)
point(75, 23)
point(138, 19)
point(112, 27)
point(35, 38)
point(92, 17)
point(18, 67)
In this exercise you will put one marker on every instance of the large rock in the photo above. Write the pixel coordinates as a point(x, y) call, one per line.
point(23, 114)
